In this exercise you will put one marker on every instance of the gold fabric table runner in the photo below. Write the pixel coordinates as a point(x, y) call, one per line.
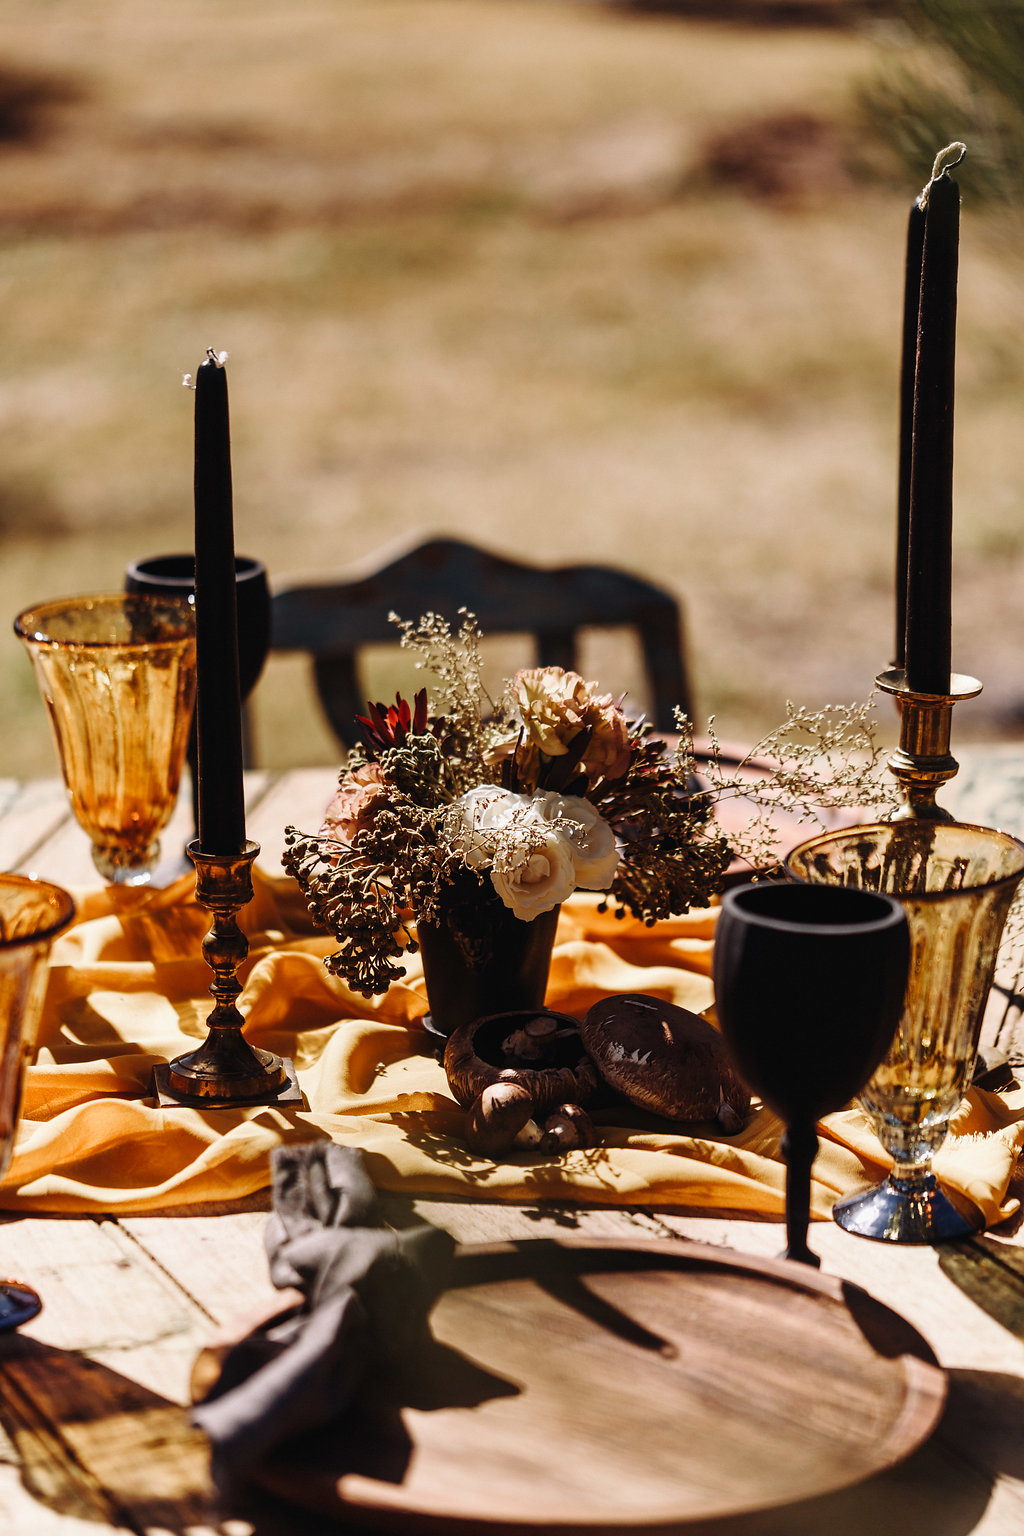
point(128, 989)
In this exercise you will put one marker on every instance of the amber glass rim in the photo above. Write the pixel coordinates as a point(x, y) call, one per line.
point(849, 834)
point(62, 902)
point(30, 622)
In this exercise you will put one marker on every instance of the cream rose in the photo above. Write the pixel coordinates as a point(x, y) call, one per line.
point(591, 838)
point(532, 879)
point(486, 811)
point(538, 847)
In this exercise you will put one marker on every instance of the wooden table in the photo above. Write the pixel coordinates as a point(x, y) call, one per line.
point(96, 1439)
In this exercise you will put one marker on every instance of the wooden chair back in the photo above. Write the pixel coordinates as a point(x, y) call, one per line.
point(334, 620)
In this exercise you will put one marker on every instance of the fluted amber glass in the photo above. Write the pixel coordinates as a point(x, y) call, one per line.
point(117, 674)
point(955, 884)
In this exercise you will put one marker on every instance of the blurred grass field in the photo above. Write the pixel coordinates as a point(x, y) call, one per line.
point(579, 283)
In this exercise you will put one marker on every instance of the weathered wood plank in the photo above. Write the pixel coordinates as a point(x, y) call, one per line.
point(32, 814)
point(50, 1481)
point(52, 1510)
point(92, 1390)
point(297, 798)
point(106, 1299)
point(126, 1450)
point(219, 1261)
point(992, 1275)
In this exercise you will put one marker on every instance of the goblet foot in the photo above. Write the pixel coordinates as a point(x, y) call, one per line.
point(18, 1303)
point(121, 866)
point(908, 1210)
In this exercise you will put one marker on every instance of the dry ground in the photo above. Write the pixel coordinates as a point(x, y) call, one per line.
point(522, 271)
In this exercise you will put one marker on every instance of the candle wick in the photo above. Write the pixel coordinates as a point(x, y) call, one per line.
point(218, 359)
point(945, 160)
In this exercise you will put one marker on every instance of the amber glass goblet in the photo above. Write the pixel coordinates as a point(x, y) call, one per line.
point(117, 674)
point(32, 914)
point(955, 884)
point(809, 984)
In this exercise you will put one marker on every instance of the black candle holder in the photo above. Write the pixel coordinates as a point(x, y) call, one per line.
point(922, 763)
point(225, 1071)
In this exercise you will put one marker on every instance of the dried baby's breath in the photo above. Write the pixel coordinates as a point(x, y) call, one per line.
point(456, 663)
point(819, 760)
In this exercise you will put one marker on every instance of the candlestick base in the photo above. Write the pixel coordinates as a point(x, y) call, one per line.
point(922, 763)
point(225, 1069)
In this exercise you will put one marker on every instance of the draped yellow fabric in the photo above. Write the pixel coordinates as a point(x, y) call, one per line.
point(128, 988)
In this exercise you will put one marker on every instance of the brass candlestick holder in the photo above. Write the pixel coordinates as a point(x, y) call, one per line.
point(922, 763)
point(225, 1070)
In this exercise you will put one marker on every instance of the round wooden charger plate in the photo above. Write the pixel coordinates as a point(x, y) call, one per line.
point(622, 1387)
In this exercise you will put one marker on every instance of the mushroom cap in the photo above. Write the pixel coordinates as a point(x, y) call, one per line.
point(473, 1060)
point(663, 1058)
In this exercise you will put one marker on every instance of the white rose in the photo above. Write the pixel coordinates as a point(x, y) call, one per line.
point(486, 811)
point(590, 837)
point(535, 879)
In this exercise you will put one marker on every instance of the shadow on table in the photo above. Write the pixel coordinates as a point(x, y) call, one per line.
point(992, 1275)
point(95, 1445)
point(937, 1489)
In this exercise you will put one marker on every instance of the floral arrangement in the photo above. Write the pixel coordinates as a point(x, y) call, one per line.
point(524, 799)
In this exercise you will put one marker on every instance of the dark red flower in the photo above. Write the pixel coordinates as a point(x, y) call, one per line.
point(388, 725)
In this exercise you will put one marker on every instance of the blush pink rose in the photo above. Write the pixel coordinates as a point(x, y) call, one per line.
point(358, 798)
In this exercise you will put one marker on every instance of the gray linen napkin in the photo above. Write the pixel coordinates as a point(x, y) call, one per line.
point(368, 1293)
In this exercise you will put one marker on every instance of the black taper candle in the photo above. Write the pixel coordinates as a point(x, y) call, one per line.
point(930, 531)
point(221, 802)
point(908, 370)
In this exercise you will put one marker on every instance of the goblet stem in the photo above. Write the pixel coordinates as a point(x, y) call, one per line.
point(126, 867)
point(799, 1149)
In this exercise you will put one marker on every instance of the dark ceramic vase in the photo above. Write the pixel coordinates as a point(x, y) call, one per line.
point(482, 959)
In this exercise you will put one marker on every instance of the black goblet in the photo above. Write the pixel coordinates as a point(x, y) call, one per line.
point(175, 575)
point(808, 995)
